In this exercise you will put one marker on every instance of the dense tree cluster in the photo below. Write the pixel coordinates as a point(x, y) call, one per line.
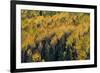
point(54, 36)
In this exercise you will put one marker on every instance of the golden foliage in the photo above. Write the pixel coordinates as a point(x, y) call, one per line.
point(36, 56)
point(36, 25)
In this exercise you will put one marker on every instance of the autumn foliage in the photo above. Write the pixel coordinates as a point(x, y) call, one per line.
point(54, 36)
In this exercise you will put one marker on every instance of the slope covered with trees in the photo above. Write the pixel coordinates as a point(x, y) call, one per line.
point(54, 36)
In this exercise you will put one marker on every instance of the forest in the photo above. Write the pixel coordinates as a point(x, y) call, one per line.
point(54, 36)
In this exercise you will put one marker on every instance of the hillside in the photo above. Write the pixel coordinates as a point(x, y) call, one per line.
point(54, 36)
